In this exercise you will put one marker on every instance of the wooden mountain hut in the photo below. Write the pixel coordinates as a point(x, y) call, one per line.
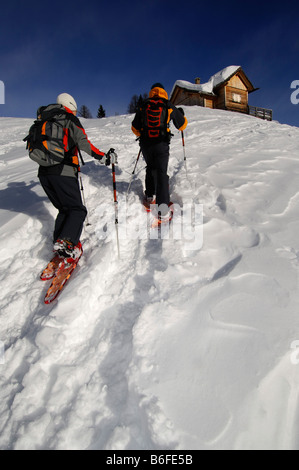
point(227, 89)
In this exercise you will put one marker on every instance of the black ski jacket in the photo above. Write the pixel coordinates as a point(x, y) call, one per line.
point(174, 115)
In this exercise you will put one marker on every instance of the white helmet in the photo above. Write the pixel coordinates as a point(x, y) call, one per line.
point(67, 100)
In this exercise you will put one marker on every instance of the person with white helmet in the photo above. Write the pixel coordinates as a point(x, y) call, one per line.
point(60, 180)
point(67, 101)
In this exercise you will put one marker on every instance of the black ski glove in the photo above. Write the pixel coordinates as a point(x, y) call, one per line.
point(100, 158)
point(111, 157)
point(182, 111)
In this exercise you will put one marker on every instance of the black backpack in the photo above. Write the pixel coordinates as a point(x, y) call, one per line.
point(154, 119)
point(45, 139)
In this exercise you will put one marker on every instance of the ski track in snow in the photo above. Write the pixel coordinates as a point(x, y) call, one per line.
point(174, 345)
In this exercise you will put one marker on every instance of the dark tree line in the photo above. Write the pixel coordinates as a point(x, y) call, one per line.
point(136, 102)
point(85, 113)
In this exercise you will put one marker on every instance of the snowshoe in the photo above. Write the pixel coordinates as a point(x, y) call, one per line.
point(164, 219)
point(50, 269)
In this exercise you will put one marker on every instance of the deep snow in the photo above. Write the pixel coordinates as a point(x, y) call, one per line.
point(180, 343)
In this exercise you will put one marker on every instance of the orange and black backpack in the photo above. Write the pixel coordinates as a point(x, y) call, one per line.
point(46, 141)
point(154, 119)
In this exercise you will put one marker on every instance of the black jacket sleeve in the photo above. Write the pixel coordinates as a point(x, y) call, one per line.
point(136, 123)
point(178, 118)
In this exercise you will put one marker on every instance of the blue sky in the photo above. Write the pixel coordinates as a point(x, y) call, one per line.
point(104, 52)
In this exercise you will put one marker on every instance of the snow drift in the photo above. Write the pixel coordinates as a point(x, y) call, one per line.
point(172, 346)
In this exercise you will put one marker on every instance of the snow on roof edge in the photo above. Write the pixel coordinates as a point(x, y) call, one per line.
point(209, 86)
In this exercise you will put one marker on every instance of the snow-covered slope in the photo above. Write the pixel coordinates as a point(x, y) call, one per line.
point(183, 342)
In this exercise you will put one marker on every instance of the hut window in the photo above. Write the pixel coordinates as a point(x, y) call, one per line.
point(236, 98)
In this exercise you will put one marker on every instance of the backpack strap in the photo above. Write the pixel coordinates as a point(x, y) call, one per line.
point(80, 155)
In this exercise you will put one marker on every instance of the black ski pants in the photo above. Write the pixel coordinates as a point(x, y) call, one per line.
point(64, 193)
point(156, 178)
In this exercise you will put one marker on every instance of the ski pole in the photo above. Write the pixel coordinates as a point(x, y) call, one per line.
point(133, 172)
point(183, 142)
point(82, 190)
point(115, 200)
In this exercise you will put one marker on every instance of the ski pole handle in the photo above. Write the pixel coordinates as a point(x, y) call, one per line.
point(111, 157)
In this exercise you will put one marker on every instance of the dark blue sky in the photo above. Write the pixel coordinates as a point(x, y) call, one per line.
point(104, 52)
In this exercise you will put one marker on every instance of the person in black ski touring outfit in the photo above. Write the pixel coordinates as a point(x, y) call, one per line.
point(151, 124)
point(60, 181)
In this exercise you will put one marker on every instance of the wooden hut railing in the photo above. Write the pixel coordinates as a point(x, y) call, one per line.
point(261, 113)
